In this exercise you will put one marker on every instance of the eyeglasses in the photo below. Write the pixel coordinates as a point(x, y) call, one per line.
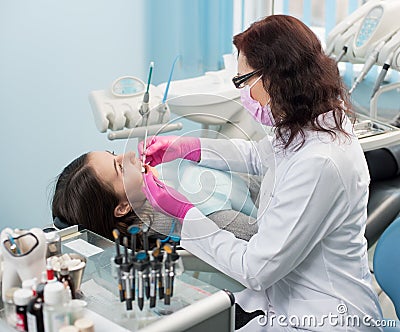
point(239, 81)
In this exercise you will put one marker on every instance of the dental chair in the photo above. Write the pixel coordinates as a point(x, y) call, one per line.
point(384, 199)
point(387, 266)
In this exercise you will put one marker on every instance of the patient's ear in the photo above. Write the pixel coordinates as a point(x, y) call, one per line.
point(122, 209)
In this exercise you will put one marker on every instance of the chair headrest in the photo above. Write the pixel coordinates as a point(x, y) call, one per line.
point(61, 224)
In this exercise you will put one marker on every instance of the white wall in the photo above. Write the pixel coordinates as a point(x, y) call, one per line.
point(52, 54)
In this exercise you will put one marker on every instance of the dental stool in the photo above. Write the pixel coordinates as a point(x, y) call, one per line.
point(384, 195)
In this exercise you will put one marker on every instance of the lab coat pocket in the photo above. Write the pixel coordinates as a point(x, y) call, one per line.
point(315, 315)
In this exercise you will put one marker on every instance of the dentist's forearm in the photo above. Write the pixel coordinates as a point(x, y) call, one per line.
point(235, 155)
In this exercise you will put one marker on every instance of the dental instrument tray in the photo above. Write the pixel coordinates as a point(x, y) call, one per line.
point(374, 134)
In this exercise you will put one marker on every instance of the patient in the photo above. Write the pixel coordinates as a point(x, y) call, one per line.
point(102, 191)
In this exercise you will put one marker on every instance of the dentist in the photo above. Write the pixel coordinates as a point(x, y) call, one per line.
point(306, 267)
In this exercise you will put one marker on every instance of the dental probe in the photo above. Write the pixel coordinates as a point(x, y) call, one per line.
point(118, 261)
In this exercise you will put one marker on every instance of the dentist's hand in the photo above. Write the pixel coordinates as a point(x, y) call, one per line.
point(165, 199)
point(161, 149)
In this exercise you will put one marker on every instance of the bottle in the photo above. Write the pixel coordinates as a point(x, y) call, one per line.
point(53, 242)
point(9, 307)
point(35, 311)
point(21, 300)
point(67, 281)
point(49, 271)
point(29, 284)
point(55, 314)
point(69, 328)
point(84, 325)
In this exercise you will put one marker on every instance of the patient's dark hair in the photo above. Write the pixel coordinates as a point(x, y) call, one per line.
point(81, 199)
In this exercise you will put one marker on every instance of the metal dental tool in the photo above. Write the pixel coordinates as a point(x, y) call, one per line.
point(133, 231)
point(154, 275)
point(143, 156)
point(126, 276)
point(144, 108)
point(118, 261)
point(140, 267)
point(168, 274)
point(146, 281)
point(174, 258)
point(159, 259)
point(160, 281)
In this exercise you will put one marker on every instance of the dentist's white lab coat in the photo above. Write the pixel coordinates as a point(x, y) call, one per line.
point(308, 264)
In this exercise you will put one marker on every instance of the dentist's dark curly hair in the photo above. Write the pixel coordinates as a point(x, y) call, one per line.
point(301, 80)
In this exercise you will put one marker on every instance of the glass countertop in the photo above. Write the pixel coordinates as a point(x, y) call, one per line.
point(100, 288)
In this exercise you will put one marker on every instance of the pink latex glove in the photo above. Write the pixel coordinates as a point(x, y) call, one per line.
point(161, 149)
point(165, 199)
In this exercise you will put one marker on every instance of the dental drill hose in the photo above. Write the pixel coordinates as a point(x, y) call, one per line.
point(380, 79)
point(382, 74)
point(341, 54)
point(371, 60)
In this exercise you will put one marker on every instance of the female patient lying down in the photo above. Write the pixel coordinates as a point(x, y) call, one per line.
point(102, 191)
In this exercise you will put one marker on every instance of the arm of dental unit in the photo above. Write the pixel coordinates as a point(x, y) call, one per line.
point(368, 36)
point(130, 107)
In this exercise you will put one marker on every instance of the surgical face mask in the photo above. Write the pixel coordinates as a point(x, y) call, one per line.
point(262, 114)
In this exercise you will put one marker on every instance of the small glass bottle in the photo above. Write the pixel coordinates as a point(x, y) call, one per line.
point(21, 300)
point(9, 307)
point(35, 311)
point(67, 281)
point(53, 241)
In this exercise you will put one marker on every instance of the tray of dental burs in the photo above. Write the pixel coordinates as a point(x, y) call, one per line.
point(374, 134)
point(100, 285)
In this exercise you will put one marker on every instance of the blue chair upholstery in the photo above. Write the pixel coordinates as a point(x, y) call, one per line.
point(387, 265)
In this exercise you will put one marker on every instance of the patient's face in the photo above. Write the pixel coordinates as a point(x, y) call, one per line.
point(121, 172)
